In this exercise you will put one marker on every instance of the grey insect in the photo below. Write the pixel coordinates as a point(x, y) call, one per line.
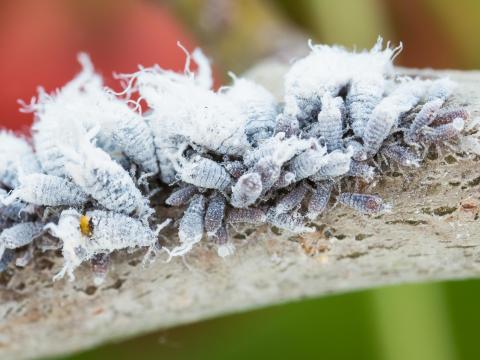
point(330, 122)
point(287, 124)
point(363, 203)
point(215, 213)
point(336, 163)
point(386, 114)
point(447, 115)
point(6, 259)
point(205, 173)
point(16, 210)
point(246, 190)
point(98, 231)
point(19, 235)
point(181, 196)
point(106, 181)
point(307, 163)
point(254, 216)
point(291, 200)
point(258, 105)
point(47, 190)
point(235, 168)
point(319, 199)
point(400, 155)
point(361, 170)
point(100, 264)
point(424, 118)
point(285, 179)
point(17, 159)
point(364, 94)
point(292, 221)
point(191, 226)
point(442, 132)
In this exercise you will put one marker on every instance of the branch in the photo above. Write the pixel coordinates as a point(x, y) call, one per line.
point(431, 234)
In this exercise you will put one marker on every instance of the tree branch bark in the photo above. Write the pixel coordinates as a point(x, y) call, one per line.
point(433, 233)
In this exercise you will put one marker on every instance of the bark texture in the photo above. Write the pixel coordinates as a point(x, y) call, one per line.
point(433, 233)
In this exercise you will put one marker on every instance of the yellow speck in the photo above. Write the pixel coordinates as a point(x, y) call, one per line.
point(85, 225)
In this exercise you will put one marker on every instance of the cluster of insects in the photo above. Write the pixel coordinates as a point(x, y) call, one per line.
point(228, 156)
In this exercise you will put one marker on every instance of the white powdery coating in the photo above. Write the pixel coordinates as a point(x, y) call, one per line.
point(16, 159)
point(109, 232)
point(19, 235)
point(327, 69)
point(183, 107)
point(191, 227)
point(47, 190)
point(105, 180)
point(257, 104)
point(386, 114)
point(85, 102)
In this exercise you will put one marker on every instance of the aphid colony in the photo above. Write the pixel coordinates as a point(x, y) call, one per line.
point(231, 156)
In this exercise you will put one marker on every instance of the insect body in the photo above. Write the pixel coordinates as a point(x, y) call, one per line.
point(259, 107)
point(363, 203)
point(17, 159)
point(214, 214)
point(181, 196)
point(108, 231)
point(191, 226)
point(291, 200)
point(19, 235)
point(246, 190)
point(48, 190)
point(330, 123)
point(205, 173)
point(319, 200)
point(423, 118)
point(106, 181)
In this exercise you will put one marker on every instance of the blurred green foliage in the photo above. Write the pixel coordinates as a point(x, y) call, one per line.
point(424, 322)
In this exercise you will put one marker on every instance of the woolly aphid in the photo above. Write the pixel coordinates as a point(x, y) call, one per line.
point(227, 157)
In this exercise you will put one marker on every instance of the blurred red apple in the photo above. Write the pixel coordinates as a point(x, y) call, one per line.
point(39, 41)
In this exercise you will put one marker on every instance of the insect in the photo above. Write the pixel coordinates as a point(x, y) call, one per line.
point(17, 159)
point(334, 164)
point(191, 226)
point(181, 196)
point(15, 210)
point(443, 132)
point(6, 259)
point(220, 238)
point(447, 115)
point(235, 168)
point(387, 113)
point(250, 216)
point(361, 170)
point(246, 190)
point(290, 200)
point(319, 199)
point(400, 155)
point(363, 96)
point(424, 118)
point(47, 190)
point(100, 264)
point(205, 173)
point(105, 180)
point(108, 231)
point(215, 213)
point(19, 235)
point(257, 104)
point(293, 222)
point(307, 163)
point(330, 123)
point(363, 203)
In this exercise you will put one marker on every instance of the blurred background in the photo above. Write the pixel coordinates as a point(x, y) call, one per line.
point(39, 40)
